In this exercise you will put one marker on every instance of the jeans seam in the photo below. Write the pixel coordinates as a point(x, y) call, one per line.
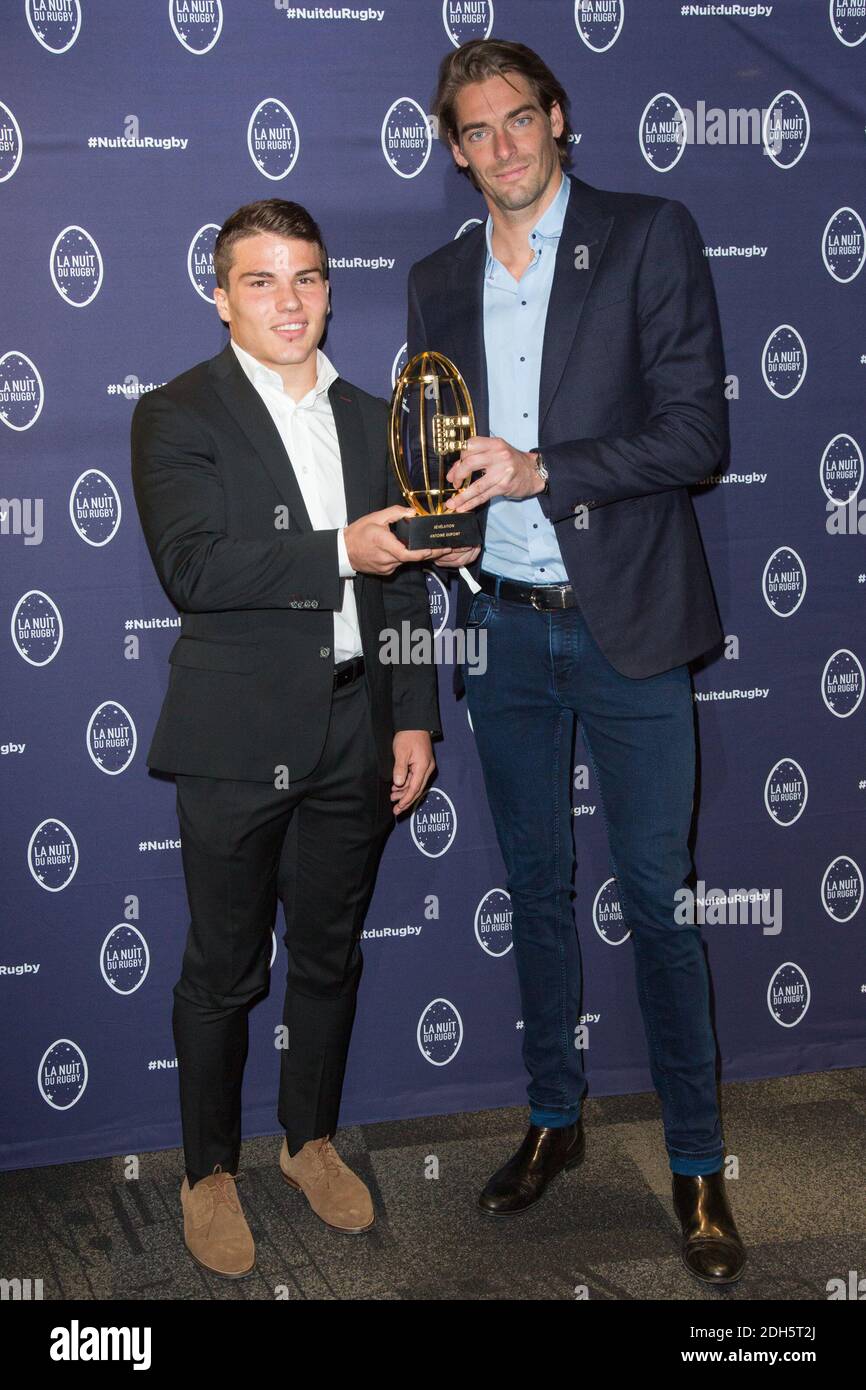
point(557, 845)
point(648, 1014)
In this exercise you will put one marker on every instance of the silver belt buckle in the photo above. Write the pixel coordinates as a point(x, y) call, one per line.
point(560, 588)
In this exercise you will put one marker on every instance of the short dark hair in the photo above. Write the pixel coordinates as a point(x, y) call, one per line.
point(267, 215)
point(483, 58)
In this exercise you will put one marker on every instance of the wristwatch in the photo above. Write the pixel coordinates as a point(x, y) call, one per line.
point(541, 469)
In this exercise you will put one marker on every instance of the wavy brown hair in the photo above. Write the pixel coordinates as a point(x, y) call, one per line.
point(267, 215)
point(483, 58)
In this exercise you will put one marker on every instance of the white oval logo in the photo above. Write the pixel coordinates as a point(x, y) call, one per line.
point(599, 22)
point(842, 888)
point(52, 855)
point(434, 824)
point(662, 132)
point(55, 24)
point(196, 24)
point(848, 21)
point(21, 391)
point(406, 138)
point(467, 19)
point(493, 922)
point(841, 469)
point(111, 738)
point(11, 143)
point(784, 582)
point(398, 364)
point(76, 267)
point(439, 1033)
point(786, 792)
point(788, 995)
point(37, 628)
point(843, 245)
point(273, 139)
point(607, 914)
point(199, 261)
point(437, 596)
point(784, 362)
point(62, 1074)
point(124, 959)
point(785, 129)
point(842, 683)
point(94, 507)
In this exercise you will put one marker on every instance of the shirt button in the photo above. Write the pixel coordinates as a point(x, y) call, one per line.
point(523, 302)
point(535, 525)
point(523, 359)
point(541, 569)
point(324, 651)
point(526, 414)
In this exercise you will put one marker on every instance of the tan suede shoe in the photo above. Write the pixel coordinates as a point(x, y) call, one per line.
point(334, 1192)
point(214, 1226)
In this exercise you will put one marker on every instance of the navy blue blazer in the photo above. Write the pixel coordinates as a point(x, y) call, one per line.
point(631, 412)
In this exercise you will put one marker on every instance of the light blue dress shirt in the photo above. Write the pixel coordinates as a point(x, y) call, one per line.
point(519, 542)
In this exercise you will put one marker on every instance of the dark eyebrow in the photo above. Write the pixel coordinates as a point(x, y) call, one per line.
point(268, 274)
point(509, 115)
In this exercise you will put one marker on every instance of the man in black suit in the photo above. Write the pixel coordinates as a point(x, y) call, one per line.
point(264, 493)
point(585, 326)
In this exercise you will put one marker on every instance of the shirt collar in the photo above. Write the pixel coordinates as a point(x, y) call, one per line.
point(549, 225)
point(259, 374)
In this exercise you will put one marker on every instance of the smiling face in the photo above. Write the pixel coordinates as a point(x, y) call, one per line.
point(276, 303)
point(507, 142)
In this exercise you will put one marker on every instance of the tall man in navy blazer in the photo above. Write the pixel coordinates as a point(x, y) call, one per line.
point(585, 325)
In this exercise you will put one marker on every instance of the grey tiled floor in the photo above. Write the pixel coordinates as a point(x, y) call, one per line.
point(608, 1225)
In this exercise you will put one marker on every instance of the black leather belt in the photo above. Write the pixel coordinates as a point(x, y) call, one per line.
point(347, 671)
point(541, 596)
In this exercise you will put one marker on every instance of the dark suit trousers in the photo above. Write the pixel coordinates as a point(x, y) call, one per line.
point(316, 845)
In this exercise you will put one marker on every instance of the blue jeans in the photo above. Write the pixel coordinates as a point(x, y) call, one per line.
point(544, 670)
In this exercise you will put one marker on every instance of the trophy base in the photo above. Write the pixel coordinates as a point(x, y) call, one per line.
point(444, 531)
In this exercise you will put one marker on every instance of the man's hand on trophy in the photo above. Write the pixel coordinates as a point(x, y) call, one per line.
point(505, 472)
point(373, 548)
point(455, 559)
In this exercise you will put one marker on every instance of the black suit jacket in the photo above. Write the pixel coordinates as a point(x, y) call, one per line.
point(631, 411)
point(251, 676)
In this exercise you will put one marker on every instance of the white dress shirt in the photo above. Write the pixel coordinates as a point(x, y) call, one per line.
point(309, 435)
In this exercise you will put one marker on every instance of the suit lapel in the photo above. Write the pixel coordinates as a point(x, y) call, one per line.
point(585, 227)
point(353, 448)
point(466, 289)
point(250, 413)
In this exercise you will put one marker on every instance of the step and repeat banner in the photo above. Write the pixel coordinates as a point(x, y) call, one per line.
point(128, 133)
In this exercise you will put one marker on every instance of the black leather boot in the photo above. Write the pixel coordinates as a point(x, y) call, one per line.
point(711, 1247)
point(523, 1179)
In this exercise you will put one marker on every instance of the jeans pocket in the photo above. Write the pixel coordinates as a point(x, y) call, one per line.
point(480, 610)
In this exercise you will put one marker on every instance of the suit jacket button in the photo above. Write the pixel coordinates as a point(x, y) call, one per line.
point(324, 651)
